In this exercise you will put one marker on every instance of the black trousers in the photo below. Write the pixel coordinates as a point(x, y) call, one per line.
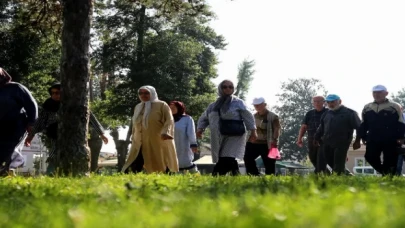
point(226, 165)
point(314, 156)
point(11, 133)
point(137, 165)
point(335, 157)
point(390, 156)
point(253, 151)
point(95, 148)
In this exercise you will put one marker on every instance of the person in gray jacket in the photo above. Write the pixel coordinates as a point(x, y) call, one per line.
point(336, 133)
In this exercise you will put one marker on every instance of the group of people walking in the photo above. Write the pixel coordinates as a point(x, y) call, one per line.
point(164, 137)
point(330, 133)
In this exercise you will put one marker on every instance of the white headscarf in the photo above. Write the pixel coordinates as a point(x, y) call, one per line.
point(148, 105)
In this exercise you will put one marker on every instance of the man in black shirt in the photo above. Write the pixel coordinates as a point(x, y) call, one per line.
point(336, 133)
point(310, 124)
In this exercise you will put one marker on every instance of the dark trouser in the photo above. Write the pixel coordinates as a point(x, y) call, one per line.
point(400, 164)
point(390, 156)
point(95, 149)
point(11, 132)
point(317, 161)
point(335, 156)
point(137, 165)
point(253, 151)
point(226, 165)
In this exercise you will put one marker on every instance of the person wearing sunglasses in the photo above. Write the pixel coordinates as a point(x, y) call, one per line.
point(18, 113)
point(335, 134)
point(47, 122)
point(228, 119)
point(153, 147)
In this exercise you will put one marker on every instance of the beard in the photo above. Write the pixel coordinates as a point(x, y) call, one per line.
point(336, 107)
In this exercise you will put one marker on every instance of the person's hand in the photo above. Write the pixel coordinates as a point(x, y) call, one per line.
point(28, 128)
point(28, 140)
point(253, 136)
point(166, 137)
point(105, 139)
point(356, 145)
point(300, 143)
point(274, 144)
point(194, 149)
point(199, 133)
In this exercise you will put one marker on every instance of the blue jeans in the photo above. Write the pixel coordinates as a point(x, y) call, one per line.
point(399, 164)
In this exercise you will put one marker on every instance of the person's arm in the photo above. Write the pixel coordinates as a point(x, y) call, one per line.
point(191, 134)
point(129, 133)
point(320, 131)
point(401, 125)
point(39, 124)
point(276, 126)
point(93, 121)
point(97, 127)
point(355, 122)
point(249, 121)
point(303, 129)
point(247, 117)
point(361, 134)
point(203, 121)
point(168, 123)
point(29, 104)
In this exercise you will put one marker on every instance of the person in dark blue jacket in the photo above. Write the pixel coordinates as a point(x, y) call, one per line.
point(18, 112)
point(335, 134)
point(382, 130)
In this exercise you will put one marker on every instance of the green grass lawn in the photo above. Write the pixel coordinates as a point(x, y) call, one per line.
point(202, 201)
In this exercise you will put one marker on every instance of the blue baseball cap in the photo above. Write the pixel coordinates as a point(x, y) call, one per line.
point(332, 97)
point(379, 88)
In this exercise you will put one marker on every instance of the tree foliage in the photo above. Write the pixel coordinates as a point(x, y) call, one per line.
point(294, 101)
point(175, 56)
point(245, 77)
point(399, 97)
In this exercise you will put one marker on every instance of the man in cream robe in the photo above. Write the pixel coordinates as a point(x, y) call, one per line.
point(153, 131)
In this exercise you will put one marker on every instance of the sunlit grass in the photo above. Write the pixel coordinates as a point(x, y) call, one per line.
point(202, 201)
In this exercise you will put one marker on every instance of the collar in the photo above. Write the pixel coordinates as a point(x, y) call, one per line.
point(385, 101)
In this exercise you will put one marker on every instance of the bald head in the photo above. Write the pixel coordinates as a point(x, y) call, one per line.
point(318, 102)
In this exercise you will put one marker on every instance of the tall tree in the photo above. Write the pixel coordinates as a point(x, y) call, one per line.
point(72, 144)
point(294, 101)
point(245, 77)
point(399, 97)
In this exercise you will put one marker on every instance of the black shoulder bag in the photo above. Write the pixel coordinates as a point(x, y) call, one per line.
point(231, 127)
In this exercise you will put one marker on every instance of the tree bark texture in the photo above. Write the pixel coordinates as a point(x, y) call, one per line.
point(73, 152)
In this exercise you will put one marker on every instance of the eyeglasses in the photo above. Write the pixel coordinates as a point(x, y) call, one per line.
point(227, 87)
point(143, 93)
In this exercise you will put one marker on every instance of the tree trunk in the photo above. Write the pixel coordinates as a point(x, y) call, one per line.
point(73, 152)
point(140, 43)
point(103, 85)
point(91, 89)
